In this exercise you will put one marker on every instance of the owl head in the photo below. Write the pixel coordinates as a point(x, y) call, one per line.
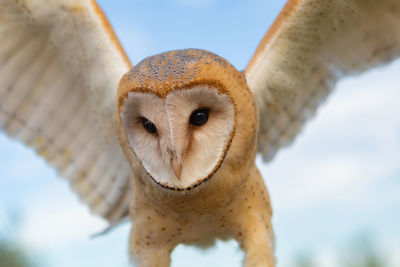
point(180, 113)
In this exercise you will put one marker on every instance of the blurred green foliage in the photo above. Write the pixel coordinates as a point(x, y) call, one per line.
point(305, 261)
point(13, 256)
point(362, 253)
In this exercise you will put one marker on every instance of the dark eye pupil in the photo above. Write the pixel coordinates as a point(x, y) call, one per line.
point(149, 126)
point(199, 116)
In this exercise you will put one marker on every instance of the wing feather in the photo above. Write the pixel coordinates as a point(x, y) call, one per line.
point(60, 64)
point(310, 46)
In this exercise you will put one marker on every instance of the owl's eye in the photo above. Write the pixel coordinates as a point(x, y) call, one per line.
point(199, 116)
point(149, 126)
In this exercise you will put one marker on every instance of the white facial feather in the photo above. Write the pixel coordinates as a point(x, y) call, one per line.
point(149, 148)
point(200, 149)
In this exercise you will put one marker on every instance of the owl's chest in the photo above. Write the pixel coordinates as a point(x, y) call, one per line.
point(195, 228)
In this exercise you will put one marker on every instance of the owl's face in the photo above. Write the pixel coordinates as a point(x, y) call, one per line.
point(178, 116)
point(180, 139)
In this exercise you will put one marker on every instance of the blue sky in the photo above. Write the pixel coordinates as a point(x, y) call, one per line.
point(340, 179)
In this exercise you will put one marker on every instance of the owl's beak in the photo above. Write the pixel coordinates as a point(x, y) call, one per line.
point(177, 166)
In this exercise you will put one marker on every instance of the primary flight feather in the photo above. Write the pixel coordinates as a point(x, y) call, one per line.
point(174, 147)
point(60, 64)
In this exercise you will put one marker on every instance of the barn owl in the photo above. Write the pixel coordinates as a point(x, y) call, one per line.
point(172, 143)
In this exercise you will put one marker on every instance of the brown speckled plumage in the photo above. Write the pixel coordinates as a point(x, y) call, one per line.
point(165, 72)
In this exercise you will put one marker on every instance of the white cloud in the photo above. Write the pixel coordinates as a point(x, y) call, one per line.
point(222, 254)
point(327, 258)
point(56, 218)
point(393, 256)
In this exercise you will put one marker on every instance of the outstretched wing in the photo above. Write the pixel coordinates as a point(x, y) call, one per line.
point(310, 46)
point(60, 64)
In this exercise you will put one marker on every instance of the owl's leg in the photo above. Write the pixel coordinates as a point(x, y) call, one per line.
point(258, 244)
point(152, 238)
point(251, 216)
point(147, 251)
